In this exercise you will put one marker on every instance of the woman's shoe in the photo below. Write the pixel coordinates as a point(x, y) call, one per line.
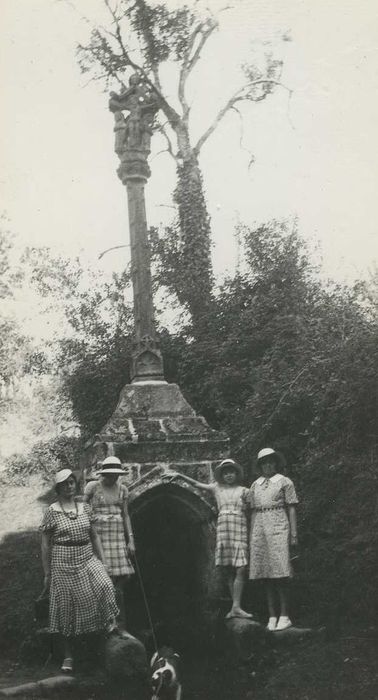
point(67, 665)
point(283, 623)
point(272, 624)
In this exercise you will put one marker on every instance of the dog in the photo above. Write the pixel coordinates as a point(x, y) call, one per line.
point(165, 675)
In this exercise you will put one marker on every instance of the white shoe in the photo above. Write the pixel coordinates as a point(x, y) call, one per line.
point(283, 623)
point(67, 665)
point(272, 624)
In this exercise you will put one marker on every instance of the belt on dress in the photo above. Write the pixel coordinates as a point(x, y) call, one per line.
point(263, 510)
point(107, 516)
point(81, 543)
point(230, 511)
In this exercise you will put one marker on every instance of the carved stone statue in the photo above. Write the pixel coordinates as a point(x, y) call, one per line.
point(120, 129)
point(139, 101)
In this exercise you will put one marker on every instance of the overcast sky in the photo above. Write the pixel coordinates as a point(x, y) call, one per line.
point(315, 155)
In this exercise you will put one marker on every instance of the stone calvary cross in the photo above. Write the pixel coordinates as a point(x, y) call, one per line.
point(153, 429)
point(132, 145)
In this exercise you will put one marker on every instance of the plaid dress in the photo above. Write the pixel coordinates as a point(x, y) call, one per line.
point(107, 509)
point(232, 534)
point(82, 597)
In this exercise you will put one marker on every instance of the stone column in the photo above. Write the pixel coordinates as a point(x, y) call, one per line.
point(132, 145)
point(153, 429)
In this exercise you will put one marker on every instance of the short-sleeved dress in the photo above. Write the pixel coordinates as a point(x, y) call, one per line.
point(107, 509)
point(269, 542)
point(232, 533)
point(82, 597)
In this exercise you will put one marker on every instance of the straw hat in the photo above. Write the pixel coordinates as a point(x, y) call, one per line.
point(269, 452)
point(63, 475)
point(112, 465)
point(228, 463)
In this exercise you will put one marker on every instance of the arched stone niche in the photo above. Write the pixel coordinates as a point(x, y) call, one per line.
point(174, 525)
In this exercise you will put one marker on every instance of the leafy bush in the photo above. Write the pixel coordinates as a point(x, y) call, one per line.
point(46, 458)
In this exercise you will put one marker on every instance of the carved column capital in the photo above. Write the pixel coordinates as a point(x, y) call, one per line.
point(133, 132)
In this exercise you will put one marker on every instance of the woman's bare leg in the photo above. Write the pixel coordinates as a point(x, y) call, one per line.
point(270, 598)
point(237, 592)
point(282, 594)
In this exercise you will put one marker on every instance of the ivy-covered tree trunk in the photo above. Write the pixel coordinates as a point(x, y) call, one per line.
point(194, 227)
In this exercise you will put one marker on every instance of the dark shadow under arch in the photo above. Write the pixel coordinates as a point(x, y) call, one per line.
point(175, 535)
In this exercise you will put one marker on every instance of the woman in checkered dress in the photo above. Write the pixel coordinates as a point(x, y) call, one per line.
point(82, 597)
point(108, 499)
point(231, 551)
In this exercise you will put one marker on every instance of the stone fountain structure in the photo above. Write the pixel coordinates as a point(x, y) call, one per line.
point(153, 429)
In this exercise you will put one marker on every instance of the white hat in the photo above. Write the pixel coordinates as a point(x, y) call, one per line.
point(112, 465)
point(268, 452)
point(62, 475)
point(228, 462)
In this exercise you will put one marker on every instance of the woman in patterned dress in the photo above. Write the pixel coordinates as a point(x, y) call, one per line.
point(273, 532)
point(82, 597)
point(108, 499)
point(231, 551)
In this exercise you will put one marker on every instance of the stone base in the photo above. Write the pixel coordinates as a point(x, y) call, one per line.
point(249, 637)
point(154, 432)
point(153, 425)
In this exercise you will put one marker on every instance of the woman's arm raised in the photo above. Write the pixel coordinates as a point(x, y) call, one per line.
point(200, 484)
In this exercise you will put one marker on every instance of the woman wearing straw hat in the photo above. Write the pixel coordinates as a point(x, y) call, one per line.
point(82, 597)
point(231, 551)
point(109, 501)
point(273, 532)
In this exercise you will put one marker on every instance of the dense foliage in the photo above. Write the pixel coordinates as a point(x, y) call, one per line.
point(290, 361)
point(93, 341)
point(281, 357)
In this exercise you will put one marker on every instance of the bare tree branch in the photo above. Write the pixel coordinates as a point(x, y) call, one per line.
point(169, 148)
point(202, 30)
point(205, 34)
point(242, 95)
point(241, 140)
point(115, 247)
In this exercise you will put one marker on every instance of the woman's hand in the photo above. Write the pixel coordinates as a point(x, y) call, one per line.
point(169, 476)
point(293, 540)
point(131, 547)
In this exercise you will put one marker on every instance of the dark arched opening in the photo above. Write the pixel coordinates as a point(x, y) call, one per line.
point(174, 532)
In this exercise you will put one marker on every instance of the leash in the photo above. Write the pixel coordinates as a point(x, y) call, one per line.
point(156, 694)
point(148, 611)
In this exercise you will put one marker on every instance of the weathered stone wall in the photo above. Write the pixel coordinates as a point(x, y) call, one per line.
point(155, 433)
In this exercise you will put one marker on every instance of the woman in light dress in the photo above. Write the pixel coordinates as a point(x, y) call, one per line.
point(273, 532)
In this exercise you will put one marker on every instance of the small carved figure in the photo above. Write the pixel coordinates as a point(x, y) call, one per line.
point(120, 130)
